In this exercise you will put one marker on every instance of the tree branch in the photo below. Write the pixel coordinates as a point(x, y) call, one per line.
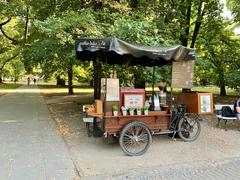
point(187, 25)
point(26, 26)
point(201, 12)
point(7, 21)
point(13, 40)
point(1, 68)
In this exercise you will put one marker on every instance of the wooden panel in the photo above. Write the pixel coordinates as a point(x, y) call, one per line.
point(182, 74)
point(193, 102)
point(190, 100)
point(124, 91)
point(156, 113)
point(108, 106)
point(114, 124)
point(99, 106)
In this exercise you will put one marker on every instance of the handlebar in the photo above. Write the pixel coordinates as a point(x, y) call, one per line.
point(181, 108)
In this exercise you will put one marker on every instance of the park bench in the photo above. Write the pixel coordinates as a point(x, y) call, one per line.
point(218, 109)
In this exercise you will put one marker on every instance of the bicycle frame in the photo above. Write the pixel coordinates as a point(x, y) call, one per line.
point(181, 110)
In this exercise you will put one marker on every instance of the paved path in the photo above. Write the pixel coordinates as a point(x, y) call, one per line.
point(219, 170)
point(31, 147)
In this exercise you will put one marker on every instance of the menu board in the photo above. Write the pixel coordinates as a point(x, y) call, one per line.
point(133, 100)
point(103, 89)
point(182, 74)
point(112, 89)
point(205, 103)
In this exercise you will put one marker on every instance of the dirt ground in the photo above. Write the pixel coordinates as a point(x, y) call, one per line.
point(96, 158)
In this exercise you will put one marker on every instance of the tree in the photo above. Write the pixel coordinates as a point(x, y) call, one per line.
point(219, 49)
point(234, 6)
point(13, 31)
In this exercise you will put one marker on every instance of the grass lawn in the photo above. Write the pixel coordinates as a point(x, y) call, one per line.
point(9, 86)
point(212, 89)
point(49, 89)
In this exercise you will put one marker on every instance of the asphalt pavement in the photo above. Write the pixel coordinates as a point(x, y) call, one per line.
point(31, 147)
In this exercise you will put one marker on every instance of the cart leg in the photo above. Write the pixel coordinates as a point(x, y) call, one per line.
point(218, 122)
point(88, 129)
point(225, 125)
point(97, 132)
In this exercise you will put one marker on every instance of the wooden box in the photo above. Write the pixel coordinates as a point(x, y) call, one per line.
point(155, 121)
point(98, 106)
point(134, 94)
point(197, 102)
point(109, 104)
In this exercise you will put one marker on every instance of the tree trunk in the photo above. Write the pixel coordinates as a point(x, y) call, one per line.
point(138, 83)
point(201, 12)
point(97, 79)
point(222, 90)
point(26, 25)
point(60, 81)
point(1, 81)
point(70, 82)
point(222, 83)
point(134, 3)
point(184, 37)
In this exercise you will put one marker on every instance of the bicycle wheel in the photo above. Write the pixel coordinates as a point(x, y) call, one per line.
point(135, 139)
point(189, 128)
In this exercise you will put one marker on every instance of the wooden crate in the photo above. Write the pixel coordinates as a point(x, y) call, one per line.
point(155, 122)
point(197, 102)
point(98, 106)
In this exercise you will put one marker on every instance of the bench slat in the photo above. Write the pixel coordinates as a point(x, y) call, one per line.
point(226, 118)
point(219, 106)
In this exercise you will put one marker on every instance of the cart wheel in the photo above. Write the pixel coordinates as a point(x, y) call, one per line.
point(135, 139)
point(189, 128)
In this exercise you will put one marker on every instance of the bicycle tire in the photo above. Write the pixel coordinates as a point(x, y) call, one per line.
point(186, 129)
point(124, 139)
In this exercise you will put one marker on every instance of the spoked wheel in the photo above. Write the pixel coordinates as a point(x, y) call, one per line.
point(135, 139)
point(189, 128)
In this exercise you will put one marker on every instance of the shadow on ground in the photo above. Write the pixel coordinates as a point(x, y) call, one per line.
point(96, 158)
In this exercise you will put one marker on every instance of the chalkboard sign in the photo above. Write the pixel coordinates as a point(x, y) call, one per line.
point(182, 74)
point(110, 89)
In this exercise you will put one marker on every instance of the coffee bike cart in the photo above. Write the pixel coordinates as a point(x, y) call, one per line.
point(135, 131)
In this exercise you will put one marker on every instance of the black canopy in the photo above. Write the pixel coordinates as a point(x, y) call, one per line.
point(116, 51)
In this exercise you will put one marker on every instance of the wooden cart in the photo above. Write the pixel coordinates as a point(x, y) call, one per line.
point(135, 132)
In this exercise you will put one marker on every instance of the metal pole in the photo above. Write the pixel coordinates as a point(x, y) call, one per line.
point(171, 98)
point(153, 83)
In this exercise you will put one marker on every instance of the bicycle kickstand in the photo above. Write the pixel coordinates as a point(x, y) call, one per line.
point(174, 133)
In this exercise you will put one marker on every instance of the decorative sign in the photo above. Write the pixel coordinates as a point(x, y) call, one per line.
point(133, 100)
point(156, 103)
point(93, 44)
point(103, 89)
point(112, 90)
point(205, 103)
point(182, 74)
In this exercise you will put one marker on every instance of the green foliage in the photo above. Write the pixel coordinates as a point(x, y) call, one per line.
point(233, 79)
point(9, 86)
point(115, 108)
point(56, 25)
point(131, 108)
point(234, 6)
point(146, 107)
